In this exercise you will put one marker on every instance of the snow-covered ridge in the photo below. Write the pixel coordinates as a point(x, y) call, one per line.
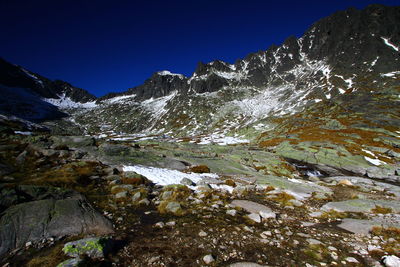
point(65, 102)
point(168, 73)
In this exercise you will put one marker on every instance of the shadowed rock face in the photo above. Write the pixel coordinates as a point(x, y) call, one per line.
point(45, 212)
point(15, 76)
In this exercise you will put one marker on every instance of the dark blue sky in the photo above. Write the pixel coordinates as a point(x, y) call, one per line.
point(105, 46)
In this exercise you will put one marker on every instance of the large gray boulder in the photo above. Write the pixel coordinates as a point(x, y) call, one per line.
point(40, 216)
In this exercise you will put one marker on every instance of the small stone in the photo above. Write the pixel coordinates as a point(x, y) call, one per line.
point(171, 223)
point(208, 259)
point(160, 225)
point(136, 196)
point(75, 262)
point(352, 260)
point(202, 233)
point(332, 248)
point(122, 194)
point(312, 241)
point(28, 244)
point(231, 212)
point(266, 234)
point(345, 182)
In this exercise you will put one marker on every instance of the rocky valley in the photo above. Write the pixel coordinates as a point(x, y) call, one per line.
point(287, 157)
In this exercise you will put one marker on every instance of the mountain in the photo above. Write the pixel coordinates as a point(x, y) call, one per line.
point(339, 57)
point(30, 96)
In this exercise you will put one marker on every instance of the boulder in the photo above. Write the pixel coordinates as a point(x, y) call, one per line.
point(254, 208)
point(43, 214)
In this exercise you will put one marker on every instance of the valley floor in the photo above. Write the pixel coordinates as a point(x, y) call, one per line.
point(177, 203)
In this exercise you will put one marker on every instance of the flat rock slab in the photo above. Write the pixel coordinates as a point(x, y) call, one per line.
point(253, 208)
point(363, 227)
point(300, 189)
point(361, 205)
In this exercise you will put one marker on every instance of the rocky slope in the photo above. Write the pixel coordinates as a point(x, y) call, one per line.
point(28, 95)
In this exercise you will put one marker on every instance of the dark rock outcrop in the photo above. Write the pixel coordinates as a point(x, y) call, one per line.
point(34, 213)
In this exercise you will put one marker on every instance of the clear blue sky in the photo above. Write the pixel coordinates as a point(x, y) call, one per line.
point(109, 46)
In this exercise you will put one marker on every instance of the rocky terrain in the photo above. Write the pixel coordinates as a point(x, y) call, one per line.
point(288, 157)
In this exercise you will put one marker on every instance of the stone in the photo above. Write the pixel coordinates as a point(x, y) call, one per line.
point(254, 208)
point(136, 197)
point(345, 182)
point(391, 261)
point(75, 262)
point(123, 194)
point(173, 207)
point(352, 260)
point(208, 259)
point(93, 247)
point(187, 181)
point(231, 212)
point(202, 233)
point(166, 195)
point(313, 241)
point(160, 225)
point(254, 217)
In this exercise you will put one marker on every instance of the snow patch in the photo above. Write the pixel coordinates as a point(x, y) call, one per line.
point(164, 176)
point(376, 162)
point(23, 133)
point(168, 73)
point(222, 140)
point(390, 74)
point(388, 43)
point(65, 102)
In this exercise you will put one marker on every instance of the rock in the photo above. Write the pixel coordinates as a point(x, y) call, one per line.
point(93, 247)
point(173, 207)
point(202, 234)
point(53, 215)
point(166, 195)
point(253, 207)
point(208, 259)
point(231, 212)
point(120, 195)
point(160, 225)
point(391, 261)
point(254, 217)
point(75, 262)
point(246, 264)
point(136, 197)
point(352, 260)
point(345, 182)
point(187, 181)
point(312, 241)
point(171, 223)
